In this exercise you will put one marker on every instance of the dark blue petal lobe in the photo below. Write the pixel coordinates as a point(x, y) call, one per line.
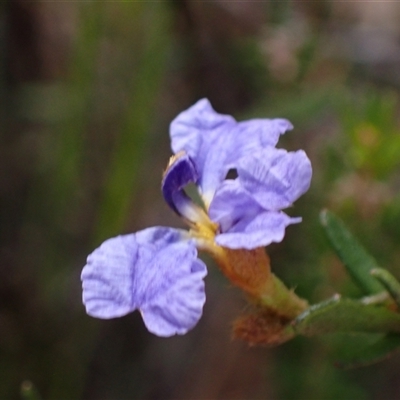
point(179, 173)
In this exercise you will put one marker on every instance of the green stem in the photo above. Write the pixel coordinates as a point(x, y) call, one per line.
point(283, 301)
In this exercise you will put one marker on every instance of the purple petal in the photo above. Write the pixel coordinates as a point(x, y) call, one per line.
point(250, 233)
point(262, 133)
point(176, 307)
point(200, 132)
point(150, 271)
point(216, 142)
point(107, 278)
point(232, 203)
point(187, 128)
point(274, 177)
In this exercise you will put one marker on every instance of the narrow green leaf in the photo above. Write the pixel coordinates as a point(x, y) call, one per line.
point(131, 143)
point(363, 350)
point(354, 257)
point(389, 281)
point(346, 315)
point(69, 149)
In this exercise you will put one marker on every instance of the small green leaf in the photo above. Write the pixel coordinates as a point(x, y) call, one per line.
point(346, 315)
point(363, 350)
point(354, 257)
point(389, 281)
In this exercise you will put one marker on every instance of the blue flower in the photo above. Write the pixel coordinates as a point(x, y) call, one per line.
point(156, 271)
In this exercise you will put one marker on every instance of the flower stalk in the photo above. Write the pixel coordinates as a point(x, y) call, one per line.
point(250, 270)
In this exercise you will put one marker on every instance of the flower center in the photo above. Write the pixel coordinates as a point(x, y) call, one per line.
point(181, 172)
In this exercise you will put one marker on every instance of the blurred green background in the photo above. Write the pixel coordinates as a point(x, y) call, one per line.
point(87, 93)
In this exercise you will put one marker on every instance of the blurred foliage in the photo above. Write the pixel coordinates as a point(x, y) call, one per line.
point(88, 90)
